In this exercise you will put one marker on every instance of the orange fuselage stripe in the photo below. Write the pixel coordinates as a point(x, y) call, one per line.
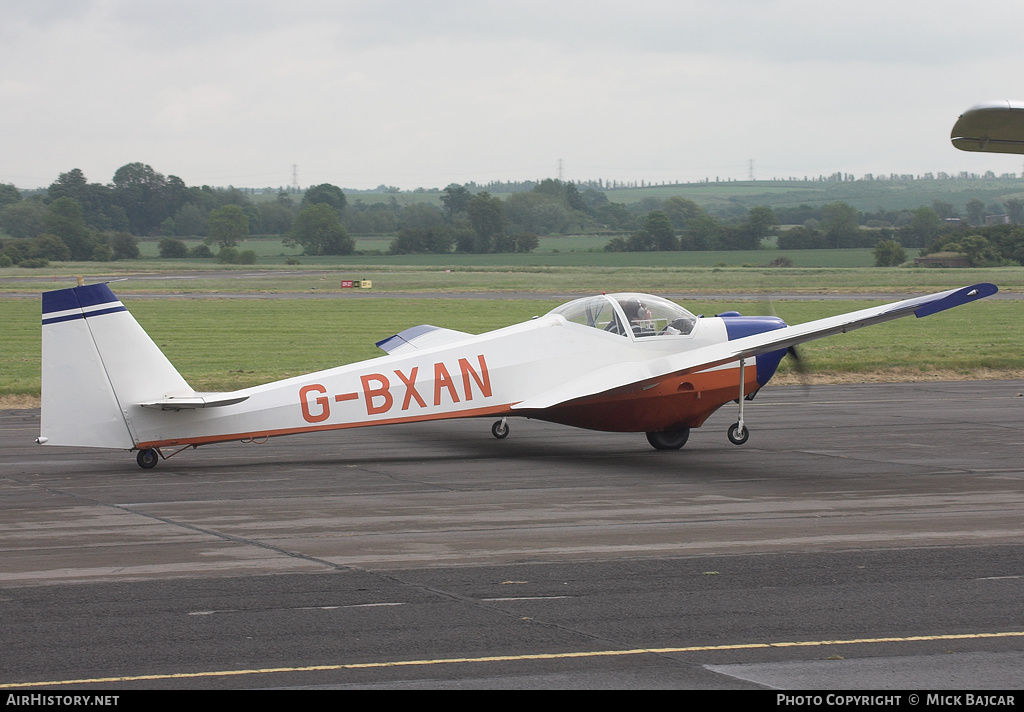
point(208, 439)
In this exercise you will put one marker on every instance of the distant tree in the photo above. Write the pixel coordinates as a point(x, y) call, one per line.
point(100, 209)
point(801, 238)
point(227, 226)
point(594, 200)
point(975, 211)
point(422, 216)
point(487, 216)
point(25, 218)
point(1015, 209)
point(659, 227)
point(64, 219)
point(526, 241)
point(141, 193)
point(455, 200)
point(702, 233)
point(8, 194)
point(537, 213)
point(171, 248)
point(761, 220)
point(564, 194)
point(617, 216)
point(519, 242)
point(124, 246)
point(889, 253)
point(276, 217)
point(319, 231)
point(414, 240)
point(374, 219)
point(640, 241)
point(680, 211)
point(616, 244)
point(190, 221)
point(798, 215)
point(325, 194)
point(922, 229)
point(176, 195)
point(944, 210)
point(979, 251)
point(49, 247)
point(839, 224)
point(232, 256)
point(14, 251)
point(69, 185)
point(573, 199)
point(101, 250)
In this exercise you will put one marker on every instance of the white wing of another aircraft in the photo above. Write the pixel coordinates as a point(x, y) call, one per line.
point(991, 127)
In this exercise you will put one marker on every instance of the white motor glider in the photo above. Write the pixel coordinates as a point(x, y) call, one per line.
point(616, 362)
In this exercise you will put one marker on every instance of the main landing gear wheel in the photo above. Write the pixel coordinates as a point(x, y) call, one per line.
point(147, 459)
point(668, 439)
point(738, 434)
point(500, 429)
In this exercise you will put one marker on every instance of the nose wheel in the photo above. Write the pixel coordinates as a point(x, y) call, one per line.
point(500, 429)
point(738, 433)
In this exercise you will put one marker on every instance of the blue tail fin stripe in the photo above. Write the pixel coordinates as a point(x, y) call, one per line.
point(79, 303)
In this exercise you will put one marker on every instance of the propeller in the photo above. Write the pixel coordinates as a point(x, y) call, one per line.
point(799, 362)
point(802, 368)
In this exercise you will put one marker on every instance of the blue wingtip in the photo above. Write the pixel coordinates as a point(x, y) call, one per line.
point(960, 296)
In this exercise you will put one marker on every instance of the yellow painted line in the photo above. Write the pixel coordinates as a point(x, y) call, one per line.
point(514, 658)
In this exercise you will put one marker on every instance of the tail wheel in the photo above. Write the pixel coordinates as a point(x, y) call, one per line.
point(147, 459)
point(668, 439)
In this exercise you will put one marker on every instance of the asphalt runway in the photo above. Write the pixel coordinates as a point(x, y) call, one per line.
point(866, 537)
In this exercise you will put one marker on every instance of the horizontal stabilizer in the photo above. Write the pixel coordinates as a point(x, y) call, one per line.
point(199, 400)
point(420, 337)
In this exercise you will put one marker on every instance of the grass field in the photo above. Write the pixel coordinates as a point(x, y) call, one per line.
point(579, 250)
point(162, 276)
point(223, 344)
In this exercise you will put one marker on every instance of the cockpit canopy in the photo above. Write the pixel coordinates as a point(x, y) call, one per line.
point(628, 313)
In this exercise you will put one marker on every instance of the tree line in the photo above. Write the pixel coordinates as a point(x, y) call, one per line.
point(680, 224)
point(74, 219)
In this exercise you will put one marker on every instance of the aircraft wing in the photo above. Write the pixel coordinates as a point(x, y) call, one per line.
point(419, 337)
point(620, 375)
point(993, 127)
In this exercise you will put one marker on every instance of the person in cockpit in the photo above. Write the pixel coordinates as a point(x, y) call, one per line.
point(638, 314)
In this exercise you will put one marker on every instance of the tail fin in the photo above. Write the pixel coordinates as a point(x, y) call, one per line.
point(97, 364)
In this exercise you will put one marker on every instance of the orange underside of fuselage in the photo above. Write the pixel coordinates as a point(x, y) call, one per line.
point(667, 403)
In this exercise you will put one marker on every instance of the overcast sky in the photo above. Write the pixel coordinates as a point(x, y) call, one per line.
point(428, 93)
